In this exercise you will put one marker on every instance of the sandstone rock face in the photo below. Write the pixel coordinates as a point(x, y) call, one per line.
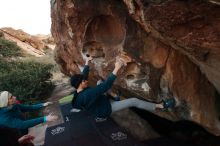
point(25, 37)
point(33, 45)
point(174, 46)
point(47, 40)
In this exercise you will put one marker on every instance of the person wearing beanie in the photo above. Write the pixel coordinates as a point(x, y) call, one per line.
point(4, 96)
point(11, 113)
point(11, 137)
point(93, 99)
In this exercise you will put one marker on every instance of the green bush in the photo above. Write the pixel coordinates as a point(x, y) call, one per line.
point(26, 80)
point(1, 34)
point(9, 49)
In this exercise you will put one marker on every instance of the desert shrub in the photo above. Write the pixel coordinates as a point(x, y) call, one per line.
point(26, 80)
point(9, 49)
point(1, 34)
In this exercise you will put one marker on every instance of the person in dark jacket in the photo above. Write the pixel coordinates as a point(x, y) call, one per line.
point(11, 113)
point(93, 99)
point(11, 137)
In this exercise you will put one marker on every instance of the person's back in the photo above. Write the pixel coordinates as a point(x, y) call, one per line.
point(92, 99)
point(99, 106)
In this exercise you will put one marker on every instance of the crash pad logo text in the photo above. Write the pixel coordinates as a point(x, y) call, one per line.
point(57, 130)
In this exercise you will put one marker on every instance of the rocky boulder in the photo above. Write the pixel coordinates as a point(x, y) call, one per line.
point(34, 45)
point(174, 46)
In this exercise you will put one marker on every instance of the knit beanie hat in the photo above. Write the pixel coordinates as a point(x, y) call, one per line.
point(4, 95)
point(76, 80)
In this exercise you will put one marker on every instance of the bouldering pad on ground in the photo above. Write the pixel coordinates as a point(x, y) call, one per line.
point(83, 129)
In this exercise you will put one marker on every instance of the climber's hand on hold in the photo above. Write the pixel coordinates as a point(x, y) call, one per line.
point(47, 103)
point(88, 59)
point(122, 61)
point(123, 57)
point(118, 65)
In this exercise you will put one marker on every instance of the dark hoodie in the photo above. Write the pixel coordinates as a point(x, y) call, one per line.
point(93, 99)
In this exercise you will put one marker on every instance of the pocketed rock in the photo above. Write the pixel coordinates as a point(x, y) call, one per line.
point(174, 47)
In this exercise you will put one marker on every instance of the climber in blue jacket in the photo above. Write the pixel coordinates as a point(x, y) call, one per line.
point(11, 113)
point(93, 99)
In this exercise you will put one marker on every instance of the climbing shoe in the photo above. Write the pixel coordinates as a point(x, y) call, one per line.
point(117, 97)
point(169, 103)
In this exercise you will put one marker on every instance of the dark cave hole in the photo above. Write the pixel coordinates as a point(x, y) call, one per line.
point(94, 49)
point(105, 29)
point(130, 77)
point(181, 133)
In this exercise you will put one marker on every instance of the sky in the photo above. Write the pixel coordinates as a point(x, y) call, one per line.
point(32, 16)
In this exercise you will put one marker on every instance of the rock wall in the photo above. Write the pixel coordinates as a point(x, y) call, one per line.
point(174, 46)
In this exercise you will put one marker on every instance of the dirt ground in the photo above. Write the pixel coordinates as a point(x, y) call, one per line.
point(62, 89)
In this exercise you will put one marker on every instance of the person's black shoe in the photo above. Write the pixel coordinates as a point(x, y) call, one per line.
point(117, 97)
point(169, 103)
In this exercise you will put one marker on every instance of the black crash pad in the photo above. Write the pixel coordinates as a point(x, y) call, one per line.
point(83, 129)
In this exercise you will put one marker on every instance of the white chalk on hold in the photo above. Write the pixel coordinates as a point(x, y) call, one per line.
point(84, 55)
point(123, 63)
point(75, 110)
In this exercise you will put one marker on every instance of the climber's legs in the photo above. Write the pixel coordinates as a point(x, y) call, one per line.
point(133, 102)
